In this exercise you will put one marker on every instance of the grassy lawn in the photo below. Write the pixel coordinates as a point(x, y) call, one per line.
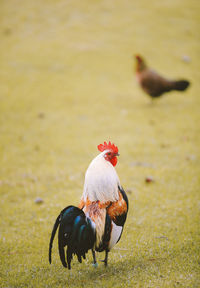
point(66, 85)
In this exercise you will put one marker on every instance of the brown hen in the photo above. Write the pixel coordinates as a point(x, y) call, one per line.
point(153, 83)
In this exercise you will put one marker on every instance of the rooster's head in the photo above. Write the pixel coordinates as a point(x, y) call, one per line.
point(111, 152)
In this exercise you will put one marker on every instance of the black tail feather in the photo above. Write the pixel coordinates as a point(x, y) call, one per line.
point(61, 250)
point(181, 85)
point(75, 232)
point(55, 227)
point(52, 236)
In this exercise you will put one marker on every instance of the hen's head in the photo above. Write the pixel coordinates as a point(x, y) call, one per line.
point(111, 154)
point(140, 63)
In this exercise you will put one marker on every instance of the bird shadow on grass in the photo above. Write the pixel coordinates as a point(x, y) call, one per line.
point(117, 270)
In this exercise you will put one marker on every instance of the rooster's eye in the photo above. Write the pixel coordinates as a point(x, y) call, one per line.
point(109, 153)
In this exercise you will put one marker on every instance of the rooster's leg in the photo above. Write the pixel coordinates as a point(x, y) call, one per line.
point(106, 258)
point(94, 259)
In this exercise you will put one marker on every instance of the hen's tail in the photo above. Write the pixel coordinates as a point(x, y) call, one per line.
point(180, 85)
point(76, 231)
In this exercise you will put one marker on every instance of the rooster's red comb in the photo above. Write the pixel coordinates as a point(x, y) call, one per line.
point(109, 146)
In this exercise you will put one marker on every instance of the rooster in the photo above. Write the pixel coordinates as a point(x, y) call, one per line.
point(97, 223)
point(154, 84)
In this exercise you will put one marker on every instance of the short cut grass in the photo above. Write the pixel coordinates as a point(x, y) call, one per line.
point(66, 85)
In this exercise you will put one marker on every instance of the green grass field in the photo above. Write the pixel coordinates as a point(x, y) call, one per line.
point(66, 85)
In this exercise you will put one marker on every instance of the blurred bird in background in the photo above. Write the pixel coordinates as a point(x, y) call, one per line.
point(153, 83)
point(98, 222)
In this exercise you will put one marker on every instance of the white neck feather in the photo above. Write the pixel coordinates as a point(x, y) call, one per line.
point(101, 180)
